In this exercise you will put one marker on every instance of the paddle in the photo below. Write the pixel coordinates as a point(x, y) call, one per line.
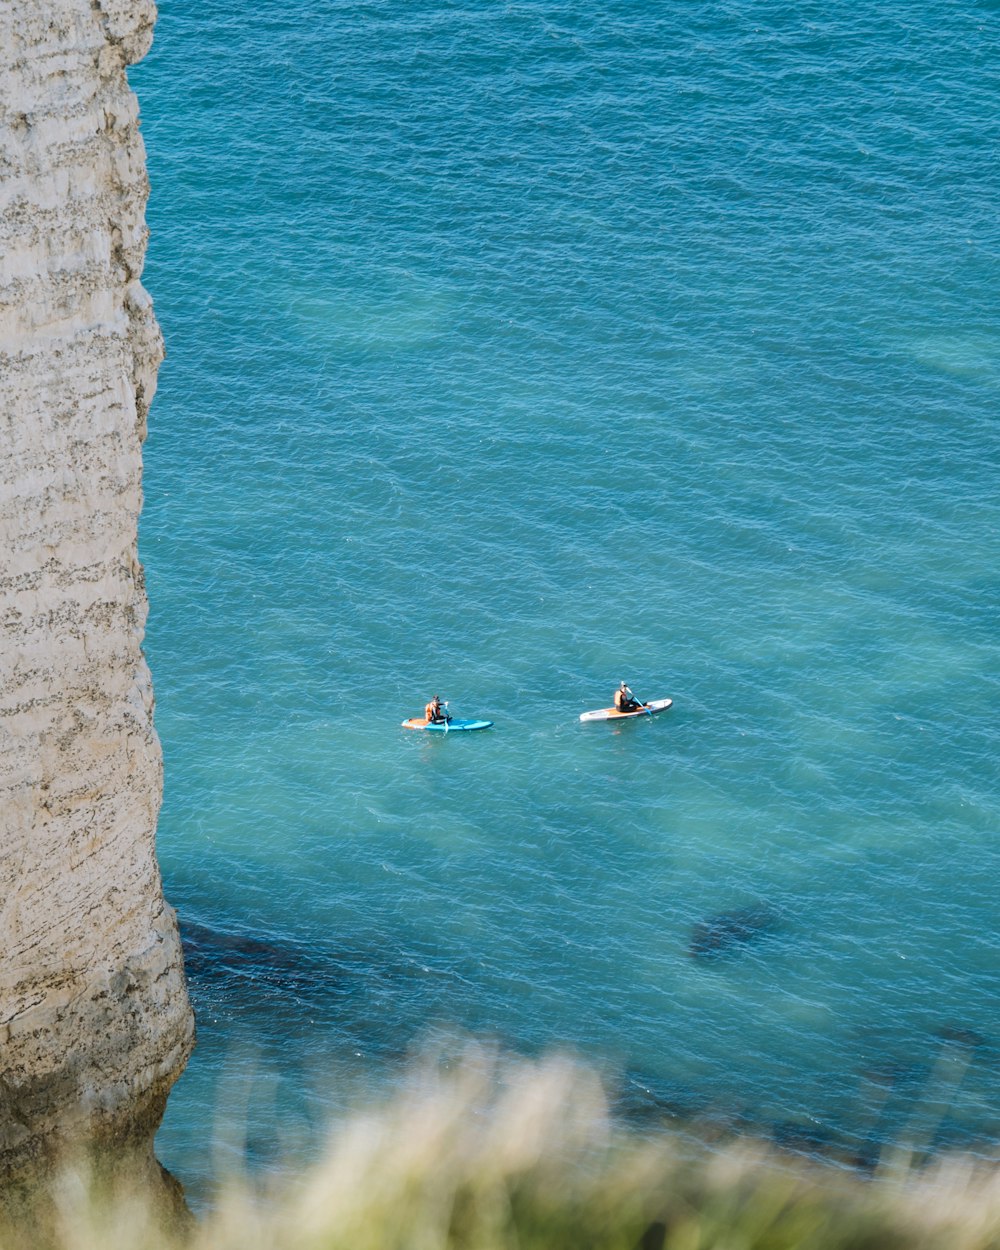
point(447, 718)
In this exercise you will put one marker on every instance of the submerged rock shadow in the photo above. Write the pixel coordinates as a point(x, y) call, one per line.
point(727, 932)
point(226, 955)
point(357, 998)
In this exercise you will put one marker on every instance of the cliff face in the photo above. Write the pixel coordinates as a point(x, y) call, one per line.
point(95, 1023)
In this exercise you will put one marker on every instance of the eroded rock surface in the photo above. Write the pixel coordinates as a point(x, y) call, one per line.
point(95, 1023)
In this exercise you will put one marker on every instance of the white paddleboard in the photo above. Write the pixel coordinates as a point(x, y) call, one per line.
point(610, 713)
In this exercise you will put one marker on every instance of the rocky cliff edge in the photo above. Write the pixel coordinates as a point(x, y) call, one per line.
point(95, 1024)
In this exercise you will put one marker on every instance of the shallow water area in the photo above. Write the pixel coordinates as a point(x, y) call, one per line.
point(512, 351)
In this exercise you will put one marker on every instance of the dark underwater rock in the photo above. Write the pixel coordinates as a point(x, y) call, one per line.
point(641, 1101)
point(728, 931)
point(802, 1137)
point(896, 1074)
point(285, 965)
point(965, 1039)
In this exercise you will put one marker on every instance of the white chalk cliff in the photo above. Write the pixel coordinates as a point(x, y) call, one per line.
point(95, 1024)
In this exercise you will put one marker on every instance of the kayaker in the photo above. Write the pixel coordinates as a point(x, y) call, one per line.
point(434, 712)
point(625, 700)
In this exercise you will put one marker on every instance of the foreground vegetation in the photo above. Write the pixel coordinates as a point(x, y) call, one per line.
point(525, 1158)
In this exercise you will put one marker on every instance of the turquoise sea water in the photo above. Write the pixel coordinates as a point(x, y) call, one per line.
point(515, 349)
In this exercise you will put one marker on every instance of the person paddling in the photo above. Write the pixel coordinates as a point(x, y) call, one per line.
point(435, 713)
point(625, 700)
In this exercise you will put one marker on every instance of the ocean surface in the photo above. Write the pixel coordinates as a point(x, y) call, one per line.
point(516, 349)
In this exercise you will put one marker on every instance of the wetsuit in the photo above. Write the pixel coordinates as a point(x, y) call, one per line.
point(625, 700)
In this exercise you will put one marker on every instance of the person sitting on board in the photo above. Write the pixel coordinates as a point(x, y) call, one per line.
point(434, 712)
point(625, 700)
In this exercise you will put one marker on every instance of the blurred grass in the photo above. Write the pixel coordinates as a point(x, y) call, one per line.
point(490, 1155)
